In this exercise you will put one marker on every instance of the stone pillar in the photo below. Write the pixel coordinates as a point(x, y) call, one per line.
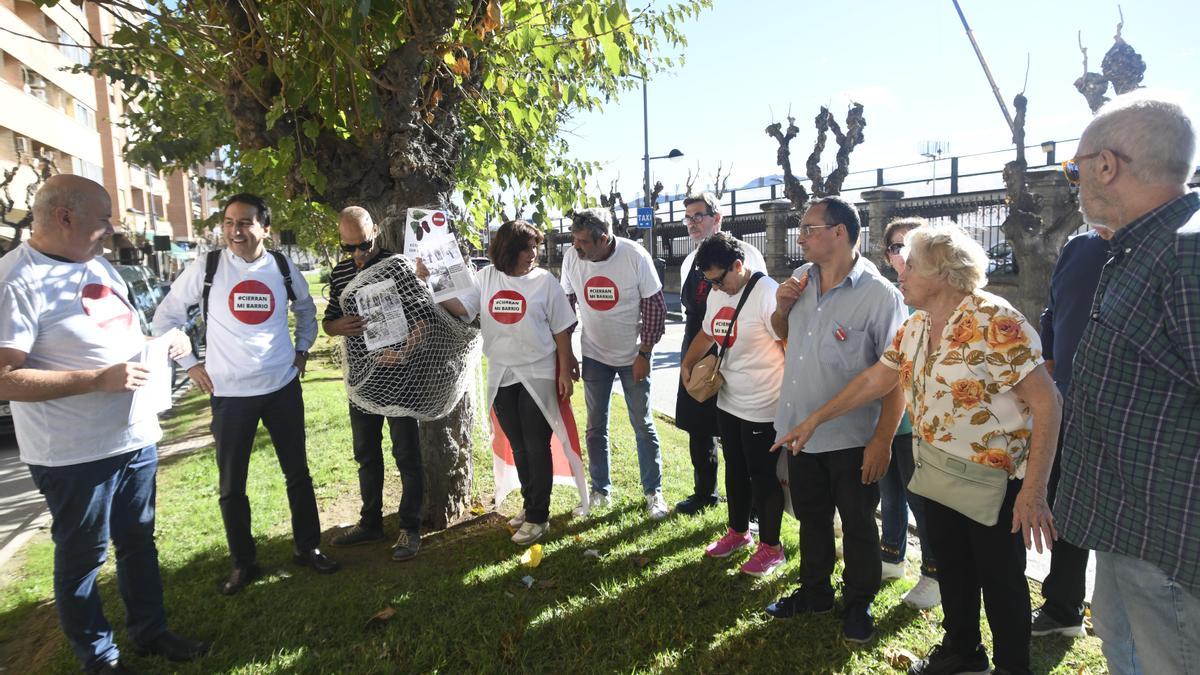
point(881, 207)
point(775, 253)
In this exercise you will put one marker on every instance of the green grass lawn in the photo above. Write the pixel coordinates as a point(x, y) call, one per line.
point(650, 603)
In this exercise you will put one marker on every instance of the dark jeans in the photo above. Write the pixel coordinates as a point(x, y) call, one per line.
point(234, 422)
point(703, 450)
point(90, 503)
point(529, 434)
point(894, 503)
point(819, 483)
point(974, 558)
point(1066, 583)
point(751, 482)
point(367, 430)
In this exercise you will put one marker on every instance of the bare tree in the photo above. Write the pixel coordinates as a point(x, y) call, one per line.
point(1122, 67)
point(691, 179)
point(792, 189)
point(846, 141)
point(611, 201)
point(42, 166)
point(721, 184)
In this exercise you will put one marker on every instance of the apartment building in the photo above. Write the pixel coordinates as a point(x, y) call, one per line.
point(73, 119)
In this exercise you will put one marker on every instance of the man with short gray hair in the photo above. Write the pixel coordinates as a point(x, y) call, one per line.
point(1128, 488)
point(623, 315)
point(702, 216)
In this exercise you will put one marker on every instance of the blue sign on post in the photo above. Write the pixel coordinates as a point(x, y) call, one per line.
point(645, 218)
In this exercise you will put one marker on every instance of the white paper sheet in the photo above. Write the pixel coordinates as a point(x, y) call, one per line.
point(154, 396)
point(430, 237)
point(380, 305)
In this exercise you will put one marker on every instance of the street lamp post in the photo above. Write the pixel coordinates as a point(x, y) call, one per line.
point(674, 154)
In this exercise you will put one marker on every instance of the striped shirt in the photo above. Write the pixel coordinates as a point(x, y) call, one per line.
point(340, 277)
point(1131, 448)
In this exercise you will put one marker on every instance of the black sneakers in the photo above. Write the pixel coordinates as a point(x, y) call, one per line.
point(695, 504)
point(800, 601)
point(406, 546)
point(943, 662)
point(857, 625)
point(1045, 624)
point(356, 535)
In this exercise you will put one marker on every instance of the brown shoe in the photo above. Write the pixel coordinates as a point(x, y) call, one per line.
point(240, 578)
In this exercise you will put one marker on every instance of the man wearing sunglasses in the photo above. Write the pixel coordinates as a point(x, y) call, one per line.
point(1129, 488)
point(703, 219)
point(360, 239)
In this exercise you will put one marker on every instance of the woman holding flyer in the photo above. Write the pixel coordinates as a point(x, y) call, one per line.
point(526, 326)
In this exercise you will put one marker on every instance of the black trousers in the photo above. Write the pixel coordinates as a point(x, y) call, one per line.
point(751, 482)
point(974, 558)
point(1066, 584)
point(367, 431)
point(529, 434)
point(703, 450)
point(234, 422)
point(820, 482)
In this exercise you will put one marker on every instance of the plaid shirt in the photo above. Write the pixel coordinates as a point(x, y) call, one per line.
point(1131, 449)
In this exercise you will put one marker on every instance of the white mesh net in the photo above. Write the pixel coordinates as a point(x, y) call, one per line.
point(415, 359)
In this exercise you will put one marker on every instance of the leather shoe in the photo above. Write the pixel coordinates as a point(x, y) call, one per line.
point(320, 562)
point(239, 579)
point(173, 647)
point(111, 668)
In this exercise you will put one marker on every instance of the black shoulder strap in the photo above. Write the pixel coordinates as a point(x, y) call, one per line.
point(210, 270)
point(286, 271)
point(733, 321)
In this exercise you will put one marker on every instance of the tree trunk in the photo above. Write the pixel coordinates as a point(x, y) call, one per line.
point(449, 474)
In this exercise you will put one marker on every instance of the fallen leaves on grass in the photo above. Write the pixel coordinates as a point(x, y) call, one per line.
point(382, 616)
point(641, 561)
point(532, 557)
point(900, 659)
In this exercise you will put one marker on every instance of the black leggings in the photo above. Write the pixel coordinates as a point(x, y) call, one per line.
point(750, 477)
point(528, 433)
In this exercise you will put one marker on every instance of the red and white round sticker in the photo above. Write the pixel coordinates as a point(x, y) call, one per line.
point(106, 307)
point(438, 219)
point(251, 302)
point(601, 294)
point(722, 325)
point(507, 307)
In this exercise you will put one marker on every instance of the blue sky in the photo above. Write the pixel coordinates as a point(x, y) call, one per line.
point(911, 65)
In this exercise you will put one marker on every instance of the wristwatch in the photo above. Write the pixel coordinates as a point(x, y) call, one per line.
point(646, 355)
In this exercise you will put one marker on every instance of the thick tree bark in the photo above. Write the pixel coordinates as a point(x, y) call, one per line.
point(449, 471)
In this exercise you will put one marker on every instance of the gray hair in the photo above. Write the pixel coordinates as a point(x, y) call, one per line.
point(948, 252)
point(597, 222)
point(1155, 134)
point(710, 201)
point(59, 193)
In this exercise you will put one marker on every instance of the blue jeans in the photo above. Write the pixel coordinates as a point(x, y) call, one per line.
point(597, 392)
point(1148, 622)
point(91, 503)
point(894, 503)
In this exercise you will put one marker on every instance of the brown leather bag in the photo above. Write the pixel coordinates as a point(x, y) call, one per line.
point(706, 378)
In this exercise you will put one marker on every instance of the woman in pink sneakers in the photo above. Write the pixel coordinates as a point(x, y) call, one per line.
point(738, 321)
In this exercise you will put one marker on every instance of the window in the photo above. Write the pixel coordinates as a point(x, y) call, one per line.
point(85, 115)
point(71, 49)
point(35, 84)
point(82, 167)
point(156, 202)
point(22, 145)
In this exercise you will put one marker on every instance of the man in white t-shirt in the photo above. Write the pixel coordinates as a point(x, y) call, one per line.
point(623, 315)
point(703, 219)
point(252, 370)
point(69, 346)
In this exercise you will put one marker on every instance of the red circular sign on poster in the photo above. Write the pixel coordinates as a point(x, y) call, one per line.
point(438, 219)
point(600, 293)
point(722, 325)
point(507, 307)
point(106, 307)
point(251, 302)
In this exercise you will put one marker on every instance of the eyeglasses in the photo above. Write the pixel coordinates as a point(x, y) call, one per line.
point(807, 230)
point(697, 218)
point(895, 249)
point(1070, 168)
point(364, 247)
point(718, 281)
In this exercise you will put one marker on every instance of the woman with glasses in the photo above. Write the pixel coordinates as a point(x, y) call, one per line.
point(738, 318)
point(526, 324)
point(894, 498)
point(986, 415)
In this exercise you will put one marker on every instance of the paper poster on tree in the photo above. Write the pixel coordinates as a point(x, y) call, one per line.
point(430, 237)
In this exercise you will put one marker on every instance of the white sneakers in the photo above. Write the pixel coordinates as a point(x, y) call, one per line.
point(530, 532)
point(517, 520)
point(925, 595)
point(656, 506)
point(892, 571)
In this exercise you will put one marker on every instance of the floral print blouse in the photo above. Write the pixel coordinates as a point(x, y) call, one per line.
point(960, 397)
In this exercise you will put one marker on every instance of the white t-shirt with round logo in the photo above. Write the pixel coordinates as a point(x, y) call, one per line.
point(518, 317)
point(753, 364)
point(71, 316)
point(609, 296)
point(249, 348)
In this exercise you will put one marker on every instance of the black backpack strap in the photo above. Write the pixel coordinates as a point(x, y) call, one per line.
point(211, 262)
point(286, 271)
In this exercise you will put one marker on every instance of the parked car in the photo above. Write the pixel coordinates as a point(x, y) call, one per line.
point(146, 290)
point(1000, 259)
point(480, 262)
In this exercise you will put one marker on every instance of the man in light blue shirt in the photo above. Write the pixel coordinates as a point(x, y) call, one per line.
point(838, 314)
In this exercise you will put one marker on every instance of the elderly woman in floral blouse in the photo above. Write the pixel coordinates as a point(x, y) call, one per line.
point(971, 370)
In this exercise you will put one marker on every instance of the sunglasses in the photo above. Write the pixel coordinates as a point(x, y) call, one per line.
point(364, 247)
point(718, 281)
point(1070, 168)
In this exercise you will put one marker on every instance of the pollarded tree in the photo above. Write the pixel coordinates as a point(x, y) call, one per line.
point(385, 104)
